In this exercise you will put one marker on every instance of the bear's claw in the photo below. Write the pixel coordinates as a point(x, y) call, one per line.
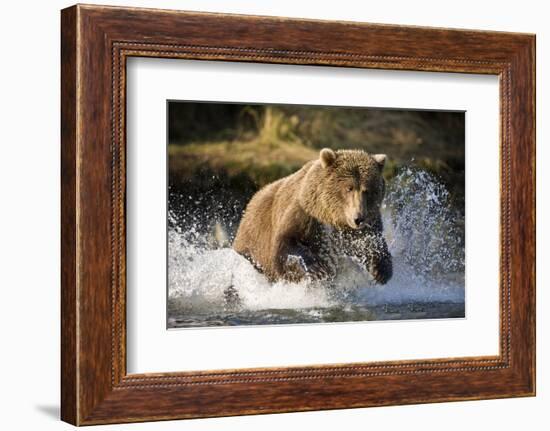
point(383, 271)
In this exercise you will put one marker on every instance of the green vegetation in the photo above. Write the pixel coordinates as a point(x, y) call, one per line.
point(263, 163)
point(252, 145)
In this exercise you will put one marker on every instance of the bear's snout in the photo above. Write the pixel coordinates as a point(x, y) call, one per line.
point(356, 221)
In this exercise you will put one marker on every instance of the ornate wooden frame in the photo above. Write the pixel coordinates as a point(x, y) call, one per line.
point(95, 43)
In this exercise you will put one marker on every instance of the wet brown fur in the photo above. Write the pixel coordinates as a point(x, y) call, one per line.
point(286, 217)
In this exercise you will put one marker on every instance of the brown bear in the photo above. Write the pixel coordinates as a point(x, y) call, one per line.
point(288, 225)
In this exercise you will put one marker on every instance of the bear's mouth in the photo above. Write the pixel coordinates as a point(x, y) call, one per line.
point(356, 226)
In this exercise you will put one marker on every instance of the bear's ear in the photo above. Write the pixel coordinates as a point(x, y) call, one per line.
point(380, 159)
point(327, 157)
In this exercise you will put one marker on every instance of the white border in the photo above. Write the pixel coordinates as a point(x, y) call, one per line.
point(152, 348)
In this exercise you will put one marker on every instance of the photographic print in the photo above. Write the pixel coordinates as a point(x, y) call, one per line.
point(293, 214)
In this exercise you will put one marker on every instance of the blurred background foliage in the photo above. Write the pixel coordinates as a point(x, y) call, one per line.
point(240, 148)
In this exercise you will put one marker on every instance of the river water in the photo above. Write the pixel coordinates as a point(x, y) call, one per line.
point(425, 234)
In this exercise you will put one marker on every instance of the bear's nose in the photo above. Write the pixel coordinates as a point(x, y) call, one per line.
point(359, 220)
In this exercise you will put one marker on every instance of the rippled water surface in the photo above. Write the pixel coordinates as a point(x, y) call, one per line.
point(425, 236)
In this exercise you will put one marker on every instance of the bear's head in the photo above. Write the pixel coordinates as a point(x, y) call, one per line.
point(344, 188)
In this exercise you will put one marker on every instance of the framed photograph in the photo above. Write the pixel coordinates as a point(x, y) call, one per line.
point(264, 215)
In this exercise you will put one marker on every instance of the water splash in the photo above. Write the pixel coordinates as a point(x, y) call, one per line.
point(425, 236)
point(424, 229)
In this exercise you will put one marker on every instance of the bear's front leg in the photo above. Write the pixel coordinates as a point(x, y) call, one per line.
point(304, 262)
point(296, 261)
point(371, 250)
point(379, 260)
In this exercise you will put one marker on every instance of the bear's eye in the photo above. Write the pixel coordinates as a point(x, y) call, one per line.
point(350, 188)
